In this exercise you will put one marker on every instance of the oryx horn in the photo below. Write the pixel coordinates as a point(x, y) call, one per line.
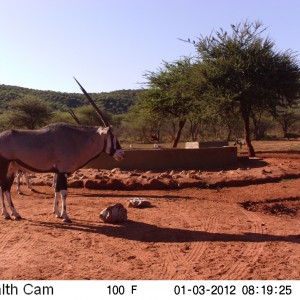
point(100, 115)
point(71, 112)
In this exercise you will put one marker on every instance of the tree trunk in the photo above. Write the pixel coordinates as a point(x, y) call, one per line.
point(285, 127)
point(229, 134)
point(178, 133)
point(193, 132)
point(255, 127)
point(246, 118)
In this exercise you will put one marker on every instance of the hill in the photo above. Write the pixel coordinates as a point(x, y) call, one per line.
point(116, 102)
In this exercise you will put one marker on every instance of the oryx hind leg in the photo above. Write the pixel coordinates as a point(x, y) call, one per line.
point(6, 186)
point(61, 188)
point(11, 206)
point(6, 180)
point(4, 212)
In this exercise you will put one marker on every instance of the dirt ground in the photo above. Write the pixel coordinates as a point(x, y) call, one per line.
point(240, 222)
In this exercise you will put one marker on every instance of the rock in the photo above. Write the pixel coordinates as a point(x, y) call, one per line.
point(47, 182)
point(93, 184)
point(114, 214)
point(38, 182)
point(98, 176)
point(139, 203)
point(76, 184)
point(192, 172)
point(156, 184)
point(115, 184)
point(134, 174)
point(115, 170)
point(193, 175)
point(129, 184)
point(164, 175)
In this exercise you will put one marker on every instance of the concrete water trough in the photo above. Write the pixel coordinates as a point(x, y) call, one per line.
point(171, 158)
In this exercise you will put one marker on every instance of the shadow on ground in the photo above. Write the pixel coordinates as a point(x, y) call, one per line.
point(143, 232)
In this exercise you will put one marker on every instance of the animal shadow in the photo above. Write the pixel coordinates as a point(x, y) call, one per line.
point(143, 232)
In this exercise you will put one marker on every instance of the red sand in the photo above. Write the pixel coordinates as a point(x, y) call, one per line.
point(244, 223)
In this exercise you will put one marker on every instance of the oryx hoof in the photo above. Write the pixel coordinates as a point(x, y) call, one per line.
point(18, 218)
point(57, 215)
point(67, 220)
point(7, 217)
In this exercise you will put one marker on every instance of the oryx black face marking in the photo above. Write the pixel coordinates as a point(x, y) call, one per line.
point(112, 146)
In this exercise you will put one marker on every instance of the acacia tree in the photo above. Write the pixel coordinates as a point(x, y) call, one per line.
point(286, 118)
point(171, 93)
point(260, 121)
point(139, 124)
point(28, 112)
point(88, 116)
point(244, 67)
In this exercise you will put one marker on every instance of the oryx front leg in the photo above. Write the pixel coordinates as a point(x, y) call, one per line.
point(61, 187)
point(63, 214)
point(4, 212)
point(55, 207)
point(54, 180)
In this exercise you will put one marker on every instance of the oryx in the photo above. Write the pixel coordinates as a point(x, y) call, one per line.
point(19, 175)
point(57, 148)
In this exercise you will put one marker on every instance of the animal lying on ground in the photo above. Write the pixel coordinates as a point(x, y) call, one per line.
point(57, 148)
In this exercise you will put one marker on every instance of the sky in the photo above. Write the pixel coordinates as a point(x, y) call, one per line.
point(109, 45)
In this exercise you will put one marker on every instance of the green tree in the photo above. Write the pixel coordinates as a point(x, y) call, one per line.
point(87, 115)
point(171, 93)
point(62, 117)
point(261, 122)
point(139, 124)
point(244, 67)
point(28, 112)
point(286, 118)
